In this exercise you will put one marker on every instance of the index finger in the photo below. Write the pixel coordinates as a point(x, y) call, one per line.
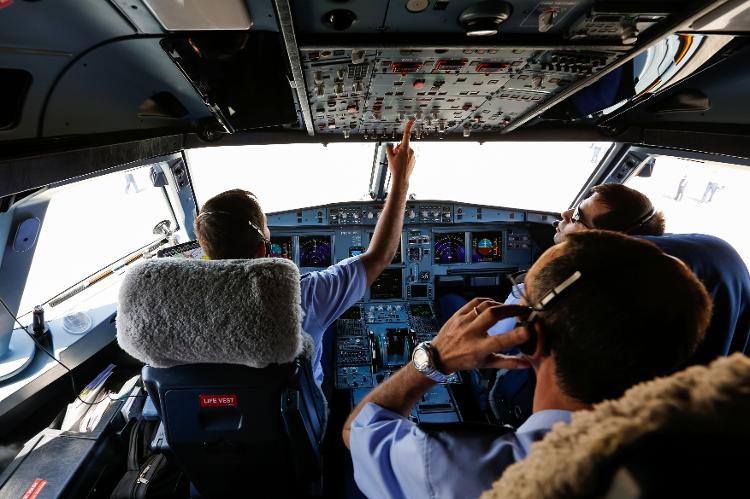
point(407, 133)
point(491, 315)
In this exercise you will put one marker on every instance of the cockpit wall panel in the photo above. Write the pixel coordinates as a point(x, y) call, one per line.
point(128, 84)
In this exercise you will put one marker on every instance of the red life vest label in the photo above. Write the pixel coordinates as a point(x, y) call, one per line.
point(225, 400)
point(34, 489)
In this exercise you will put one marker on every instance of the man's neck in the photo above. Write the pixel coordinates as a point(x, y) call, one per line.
point(549, 395)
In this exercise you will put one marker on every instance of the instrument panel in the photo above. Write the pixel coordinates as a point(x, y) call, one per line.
point(440, 241)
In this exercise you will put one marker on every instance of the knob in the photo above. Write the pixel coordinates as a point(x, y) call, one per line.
point(340, 74)
point(320, 90)
point(370, 215)
point(318, 78)
point(339, 88)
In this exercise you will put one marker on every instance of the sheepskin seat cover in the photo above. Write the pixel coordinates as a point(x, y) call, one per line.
point(173, 312)
point(566, 462)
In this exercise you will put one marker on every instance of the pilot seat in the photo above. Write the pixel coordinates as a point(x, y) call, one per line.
point(228, 369)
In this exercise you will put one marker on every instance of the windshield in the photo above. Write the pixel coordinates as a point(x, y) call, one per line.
point(531, 175)
point(89, 225)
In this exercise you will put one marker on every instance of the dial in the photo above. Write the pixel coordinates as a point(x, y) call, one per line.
point(315, 251)
point(450, 248)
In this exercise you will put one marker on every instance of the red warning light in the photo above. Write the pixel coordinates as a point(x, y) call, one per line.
point(405, 67)
point(5, 3)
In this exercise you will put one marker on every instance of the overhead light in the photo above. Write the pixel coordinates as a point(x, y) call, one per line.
point(200, 15)
point(484, 18)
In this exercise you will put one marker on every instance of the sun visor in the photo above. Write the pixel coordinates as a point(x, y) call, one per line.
point(241, 76)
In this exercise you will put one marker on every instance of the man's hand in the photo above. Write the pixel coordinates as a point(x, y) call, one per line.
point(401, 157)
point(463, 342)
point(387, 234)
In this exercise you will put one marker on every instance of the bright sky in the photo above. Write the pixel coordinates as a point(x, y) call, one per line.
point(290, 176)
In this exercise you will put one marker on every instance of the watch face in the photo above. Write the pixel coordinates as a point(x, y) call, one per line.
point(421, 359)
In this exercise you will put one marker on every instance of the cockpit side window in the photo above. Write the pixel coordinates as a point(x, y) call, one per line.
point(700, 197)
point(87, 226)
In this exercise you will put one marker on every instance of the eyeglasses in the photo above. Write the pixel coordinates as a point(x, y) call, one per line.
point(576, 218)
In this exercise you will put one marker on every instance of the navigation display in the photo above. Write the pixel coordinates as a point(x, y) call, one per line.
point(281, 247)
point(387, 286)
point(486, 247)
point(450, 247)
point(397, 256)
point(314, 251)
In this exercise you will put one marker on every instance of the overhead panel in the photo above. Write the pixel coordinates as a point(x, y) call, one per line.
point(371, 93)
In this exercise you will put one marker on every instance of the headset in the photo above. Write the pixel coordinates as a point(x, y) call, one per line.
point(227, 214)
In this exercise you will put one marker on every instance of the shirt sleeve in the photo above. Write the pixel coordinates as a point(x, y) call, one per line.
point(393, 457)
point(327, 294)
point(388, 454)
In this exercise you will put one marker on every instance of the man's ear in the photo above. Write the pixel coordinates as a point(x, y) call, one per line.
point(540, 350)
point(261, 252)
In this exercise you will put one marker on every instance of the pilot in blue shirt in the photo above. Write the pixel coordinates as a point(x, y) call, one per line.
point(581, 333)
point(325, 296)
point(233, 225)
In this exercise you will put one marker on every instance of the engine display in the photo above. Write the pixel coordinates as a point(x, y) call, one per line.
point(486, 247)
point(281, 247)
point(450, 248)
point(314, 251)
point(387, 286)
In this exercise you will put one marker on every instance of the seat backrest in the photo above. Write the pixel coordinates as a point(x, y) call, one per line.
point(240, 431)
point(725, 275)
point(228, 368)
point(684, 435)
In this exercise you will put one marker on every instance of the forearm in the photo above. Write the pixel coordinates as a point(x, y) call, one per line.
point(387, 234)
point(399, 394)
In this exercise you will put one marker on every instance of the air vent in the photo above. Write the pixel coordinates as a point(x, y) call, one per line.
point(14, 85)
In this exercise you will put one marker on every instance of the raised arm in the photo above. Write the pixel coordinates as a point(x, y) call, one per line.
point(387, 234)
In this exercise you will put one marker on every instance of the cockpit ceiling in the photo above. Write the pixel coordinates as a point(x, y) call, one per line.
point(324, 70)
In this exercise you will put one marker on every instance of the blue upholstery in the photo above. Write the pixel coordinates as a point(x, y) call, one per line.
point(262, 440)
point(726, 278)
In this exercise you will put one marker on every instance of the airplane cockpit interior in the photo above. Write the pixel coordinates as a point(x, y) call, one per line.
point(122, 371)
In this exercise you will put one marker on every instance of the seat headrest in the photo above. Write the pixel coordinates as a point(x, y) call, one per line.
point(174, 312)
point(699, 403)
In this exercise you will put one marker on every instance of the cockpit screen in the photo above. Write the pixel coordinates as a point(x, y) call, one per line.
point(314, 251)
point(387, 286)
point(450, 247)
point(486, 247)
point(281, 247)
point(397, 256)
point(190, 250)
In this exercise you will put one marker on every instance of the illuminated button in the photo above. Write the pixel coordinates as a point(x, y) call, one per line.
point(352, 108)
point(370, 215)
point(412, 214)
point(419, 84)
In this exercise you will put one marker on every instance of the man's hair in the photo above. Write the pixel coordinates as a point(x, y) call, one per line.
point(629, 211)
point(222, 225)
point(634, 314)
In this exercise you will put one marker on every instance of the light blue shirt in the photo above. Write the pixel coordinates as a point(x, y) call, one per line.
point(394, 458)
point(326, 294)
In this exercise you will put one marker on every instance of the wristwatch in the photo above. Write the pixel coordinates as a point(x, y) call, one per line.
point(424, 359)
